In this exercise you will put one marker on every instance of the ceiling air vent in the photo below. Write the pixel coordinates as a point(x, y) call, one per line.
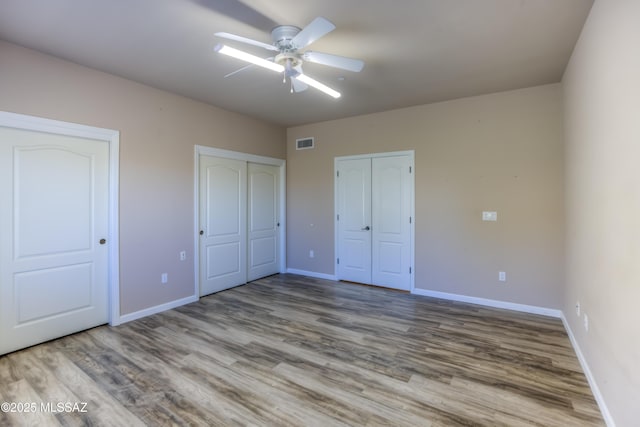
point(304, 143)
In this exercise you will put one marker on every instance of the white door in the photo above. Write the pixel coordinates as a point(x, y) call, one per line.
point(354, 220)
point(263, 221)
point(391, 222)
point(53, 228)
point(374, 220)
point(223, 223)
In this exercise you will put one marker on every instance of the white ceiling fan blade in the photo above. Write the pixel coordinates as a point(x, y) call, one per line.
point(312, 32)
point(246, 40)
point(349, 64)
point(298, 86)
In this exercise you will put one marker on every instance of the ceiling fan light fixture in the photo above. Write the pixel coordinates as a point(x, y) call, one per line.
point(320, 86)
point(256, 60)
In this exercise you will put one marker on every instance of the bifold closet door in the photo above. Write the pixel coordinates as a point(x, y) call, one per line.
point(263, 220)
point(54, 224)
point(374, 221)
point(354, 220)
point(391, 194)
point(223, 223)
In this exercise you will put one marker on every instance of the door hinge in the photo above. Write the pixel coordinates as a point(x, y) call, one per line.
point(338, 217)
point(409, 169)
point(338, 174)
point(409, 220)
point(338, 260)
point(409, 270)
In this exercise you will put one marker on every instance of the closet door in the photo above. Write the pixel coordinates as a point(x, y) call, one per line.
point(354, 220)
point(374, 199)
point(263, 220)
point(391, 222)
point(223, 223)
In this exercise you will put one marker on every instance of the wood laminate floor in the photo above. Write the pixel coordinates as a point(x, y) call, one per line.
point(289, 350)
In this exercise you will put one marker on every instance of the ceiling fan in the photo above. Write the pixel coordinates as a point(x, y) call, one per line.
point(288, 41)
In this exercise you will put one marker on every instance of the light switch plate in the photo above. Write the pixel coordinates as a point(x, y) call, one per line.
point(489, 216)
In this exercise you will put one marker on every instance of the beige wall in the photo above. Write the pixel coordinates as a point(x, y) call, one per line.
point(158, 131)
point(499, 152)
point(602, 127)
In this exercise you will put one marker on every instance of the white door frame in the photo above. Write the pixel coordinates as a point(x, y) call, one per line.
point(201, 150)
point(336, 160)
point(112, 137)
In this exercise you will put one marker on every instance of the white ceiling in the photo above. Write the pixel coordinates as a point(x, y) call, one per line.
point(415, 51)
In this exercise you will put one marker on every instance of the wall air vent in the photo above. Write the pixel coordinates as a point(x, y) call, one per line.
point(304, 143)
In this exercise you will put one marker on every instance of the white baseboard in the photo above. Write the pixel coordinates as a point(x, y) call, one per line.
point(156, 309)
point(312, 274)
point(490, 302)
point(608, 419)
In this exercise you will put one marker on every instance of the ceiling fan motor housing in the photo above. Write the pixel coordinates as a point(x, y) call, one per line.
point(282, 37)
point(288, 57)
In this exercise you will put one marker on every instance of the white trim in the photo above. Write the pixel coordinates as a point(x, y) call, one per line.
point(112, 137)
point(374, 155)
point(196, 223)
point(606, 415)
point(114, 229)
point(237, 155)
point(283, 217)
point(21, 121)
point(157, 309)
point(412, 244)
point(252, 158)
point(312, 274)
point(533, 309)
point(411, 154)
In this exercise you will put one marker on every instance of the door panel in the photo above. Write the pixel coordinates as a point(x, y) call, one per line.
point(223, 259)
point(223, 223)
point(54, 211)
point(263, 181)
point(38, 182)
point(51, 291)
point(391, 231)
point(354, 217)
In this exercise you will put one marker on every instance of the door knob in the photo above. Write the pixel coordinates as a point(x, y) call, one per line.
point(103, 241)
point(201, 232)
point(367, 228)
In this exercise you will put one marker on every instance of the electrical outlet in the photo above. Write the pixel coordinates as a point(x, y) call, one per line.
point(311, 254)
point(586, 322)
point(164, 278)
point(502, 276)
point(578, 308)
point(183, 255)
